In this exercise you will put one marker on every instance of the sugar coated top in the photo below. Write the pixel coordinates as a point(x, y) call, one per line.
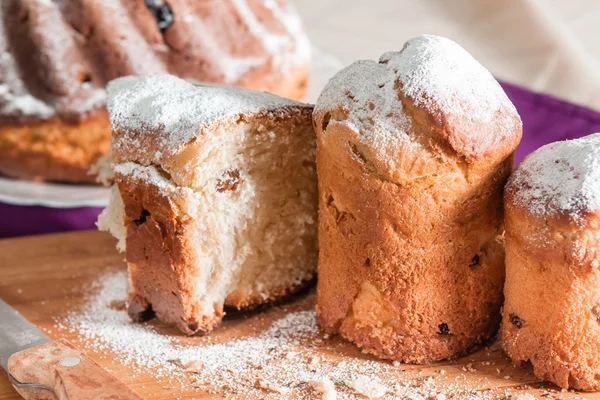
point(175, 110)
point(560, 179)
point(436, 74)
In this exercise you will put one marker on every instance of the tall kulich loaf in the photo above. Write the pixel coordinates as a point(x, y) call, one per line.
point(551, 313)
point(413, 153)
point(215, 200)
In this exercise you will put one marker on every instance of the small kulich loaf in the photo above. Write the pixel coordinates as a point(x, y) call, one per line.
point(215, 200)
point(413, 152)
point(551, 314)
point(56, 58)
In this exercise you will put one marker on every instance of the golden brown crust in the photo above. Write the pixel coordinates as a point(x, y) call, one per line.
point(54, 150)
point(552, 307)
point(380, 288)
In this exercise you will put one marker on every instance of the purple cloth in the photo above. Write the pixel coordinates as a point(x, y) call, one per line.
point(35, 220)
point(546, 119)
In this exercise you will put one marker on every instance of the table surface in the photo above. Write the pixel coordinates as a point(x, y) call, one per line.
point(43, 278)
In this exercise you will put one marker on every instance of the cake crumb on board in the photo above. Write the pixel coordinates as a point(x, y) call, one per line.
point(282, 357)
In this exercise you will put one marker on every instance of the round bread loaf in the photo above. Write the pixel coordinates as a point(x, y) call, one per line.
point(551, 314)
point(56, 58)
point(413, 154)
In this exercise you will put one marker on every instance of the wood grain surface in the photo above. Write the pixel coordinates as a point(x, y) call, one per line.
point(43, 278)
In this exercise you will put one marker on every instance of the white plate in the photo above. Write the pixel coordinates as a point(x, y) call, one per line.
point(58, 195)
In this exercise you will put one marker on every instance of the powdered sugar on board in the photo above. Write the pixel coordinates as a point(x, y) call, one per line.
point(177, 110)
point(437, 74)
point(560, 179)
point(282, 357)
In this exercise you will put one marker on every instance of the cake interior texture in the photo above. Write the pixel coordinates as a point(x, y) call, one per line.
point(239, 230)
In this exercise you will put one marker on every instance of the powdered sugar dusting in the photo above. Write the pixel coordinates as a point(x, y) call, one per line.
point(287, 358)
point(436, 73)
point(440, 74)
point(366, 89)
point(178, 110)
point(560, 179)
point(23, 104)
point(148, 174)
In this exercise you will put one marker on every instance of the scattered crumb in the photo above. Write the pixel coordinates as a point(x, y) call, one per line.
point(469, 368)
point(326, 387)
point(270, 385)
point(194, 366)
point(367, 386)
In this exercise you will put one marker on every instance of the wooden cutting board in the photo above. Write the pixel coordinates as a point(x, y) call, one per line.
point(43, 278)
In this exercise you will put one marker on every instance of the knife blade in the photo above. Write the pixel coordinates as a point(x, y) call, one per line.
point(16, 334)
point(40, 368)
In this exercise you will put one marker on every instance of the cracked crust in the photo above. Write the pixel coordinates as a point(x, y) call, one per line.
point(551, 315)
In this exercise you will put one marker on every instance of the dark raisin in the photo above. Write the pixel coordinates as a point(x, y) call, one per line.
point(84, 78)
point(474, 261)
point(140, 312)
point(230, 181)
point(596, 312)
point(516, 321)
point(308, 164)
point(142, 219)
point(368, 262)
point(162, 12)
point(443, 329)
